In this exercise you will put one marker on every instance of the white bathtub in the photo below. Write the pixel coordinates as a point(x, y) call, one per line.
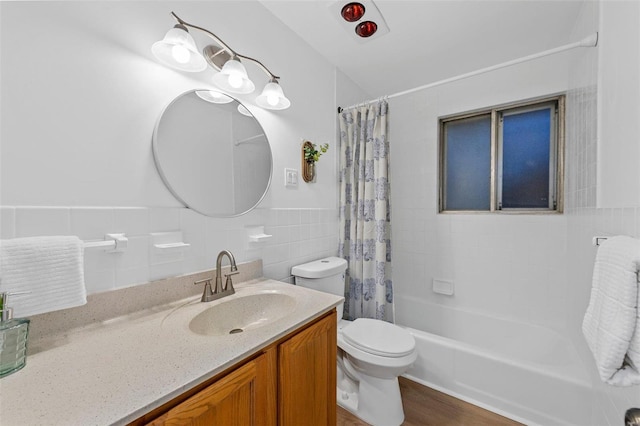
point(527, 373)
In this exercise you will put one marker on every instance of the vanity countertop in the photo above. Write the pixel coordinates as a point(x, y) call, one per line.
point(115, 371)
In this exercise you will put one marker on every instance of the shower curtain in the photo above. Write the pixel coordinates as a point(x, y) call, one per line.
point(365, 223)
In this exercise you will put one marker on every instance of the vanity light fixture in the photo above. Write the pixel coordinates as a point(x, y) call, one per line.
point(178, 50)
point(272, 97)
point(233, 77)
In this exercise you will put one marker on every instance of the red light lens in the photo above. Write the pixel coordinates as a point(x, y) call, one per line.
point(366, 29)
point(352, 12)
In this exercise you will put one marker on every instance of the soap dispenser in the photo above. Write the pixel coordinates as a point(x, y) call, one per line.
point(13, 338)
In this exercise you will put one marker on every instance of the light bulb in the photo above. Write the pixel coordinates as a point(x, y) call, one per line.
point(180, 54)
point(235, 81)
point(233, 78)
point(273, 99)
point(178, 50)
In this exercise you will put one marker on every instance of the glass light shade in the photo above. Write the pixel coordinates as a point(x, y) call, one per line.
point(233, 78)
point(214, 97)
point(178, 50)
point(272, 97)
point(244, 111)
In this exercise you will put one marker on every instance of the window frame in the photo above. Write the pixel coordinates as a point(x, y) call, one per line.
point(556, 161)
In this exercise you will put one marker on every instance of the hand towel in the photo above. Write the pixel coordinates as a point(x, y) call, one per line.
point(50, 268)
point(611, 324)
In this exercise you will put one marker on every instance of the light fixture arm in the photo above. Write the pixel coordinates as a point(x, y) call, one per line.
point(257, 62)
point(225, 46)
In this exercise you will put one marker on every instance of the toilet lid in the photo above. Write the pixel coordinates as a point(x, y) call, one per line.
point(379, 338)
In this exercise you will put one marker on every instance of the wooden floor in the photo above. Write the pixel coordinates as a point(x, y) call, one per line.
point(424, 406)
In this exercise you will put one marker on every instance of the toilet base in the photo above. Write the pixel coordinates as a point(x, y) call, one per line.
point(377, 401)
point(348, 400)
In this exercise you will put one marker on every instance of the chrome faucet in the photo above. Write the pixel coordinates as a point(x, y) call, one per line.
point(219, 292)
point(228, 285)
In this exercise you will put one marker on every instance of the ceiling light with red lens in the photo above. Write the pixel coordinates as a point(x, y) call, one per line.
point(366, 29)
point(352, 12)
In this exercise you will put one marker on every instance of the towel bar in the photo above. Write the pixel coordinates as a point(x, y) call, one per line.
point(113, 243)
point(597, 240)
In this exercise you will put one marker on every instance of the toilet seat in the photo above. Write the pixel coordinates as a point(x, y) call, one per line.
point(362, 355)
point(379, 338)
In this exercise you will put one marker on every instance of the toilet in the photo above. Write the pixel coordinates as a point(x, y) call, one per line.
point(371, 353)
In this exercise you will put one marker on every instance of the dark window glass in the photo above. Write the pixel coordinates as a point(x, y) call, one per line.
point(526, 147)
point(468, 163)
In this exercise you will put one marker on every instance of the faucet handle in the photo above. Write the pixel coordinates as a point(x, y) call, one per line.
point(236, 272)
point(228, 285)
point(208, 293)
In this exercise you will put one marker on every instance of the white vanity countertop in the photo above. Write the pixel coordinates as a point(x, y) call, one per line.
point(114, 372)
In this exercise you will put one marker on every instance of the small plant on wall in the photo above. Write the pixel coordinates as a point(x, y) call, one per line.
point(310, 154)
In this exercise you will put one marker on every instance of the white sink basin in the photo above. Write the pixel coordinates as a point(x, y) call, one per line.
point(239, 314)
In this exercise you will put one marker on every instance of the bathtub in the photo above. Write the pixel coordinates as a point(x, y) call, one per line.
point(528, 373)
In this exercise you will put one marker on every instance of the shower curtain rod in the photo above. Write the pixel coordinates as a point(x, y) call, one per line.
point(589, 41)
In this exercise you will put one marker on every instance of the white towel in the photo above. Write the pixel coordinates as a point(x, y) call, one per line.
point(51, 268)
point(611, 325)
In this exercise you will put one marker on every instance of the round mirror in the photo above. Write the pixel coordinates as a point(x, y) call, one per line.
point(212, 154)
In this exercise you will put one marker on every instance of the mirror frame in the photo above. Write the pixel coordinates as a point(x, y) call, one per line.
point(165, 180)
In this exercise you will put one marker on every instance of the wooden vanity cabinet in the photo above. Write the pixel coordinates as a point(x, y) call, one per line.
point(307, 376)
point(243, 397)
point(290, 383)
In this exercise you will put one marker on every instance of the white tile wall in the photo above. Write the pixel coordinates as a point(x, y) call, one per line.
point(509, 266)
point(46, 221)
point(299, 235)
point(7, 222)
point(585, 220)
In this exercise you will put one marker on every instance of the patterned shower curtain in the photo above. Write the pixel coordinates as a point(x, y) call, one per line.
point(365, 223)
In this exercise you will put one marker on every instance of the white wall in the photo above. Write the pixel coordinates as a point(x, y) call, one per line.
point(78, 115)
point(348, 92)
point(618, 174)
point(587, 170)
point(506, 265)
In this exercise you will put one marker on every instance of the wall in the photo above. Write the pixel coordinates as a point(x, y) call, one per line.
point(587, 170)
point(508, 266)
point(618, 176)
point(77, 119)
point(348, 92)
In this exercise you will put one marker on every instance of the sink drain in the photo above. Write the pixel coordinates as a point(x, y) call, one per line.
point(236, 330)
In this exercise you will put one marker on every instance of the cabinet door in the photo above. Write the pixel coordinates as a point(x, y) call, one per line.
point(246, 396)
point(307, 376)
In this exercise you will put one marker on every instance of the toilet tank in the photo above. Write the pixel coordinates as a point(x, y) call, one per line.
point(326, 275)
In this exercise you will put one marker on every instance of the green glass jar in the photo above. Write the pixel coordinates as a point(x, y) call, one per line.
point(13, 339)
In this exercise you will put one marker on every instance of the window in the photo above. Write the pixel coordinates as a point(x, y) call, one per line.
point(506, 159)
